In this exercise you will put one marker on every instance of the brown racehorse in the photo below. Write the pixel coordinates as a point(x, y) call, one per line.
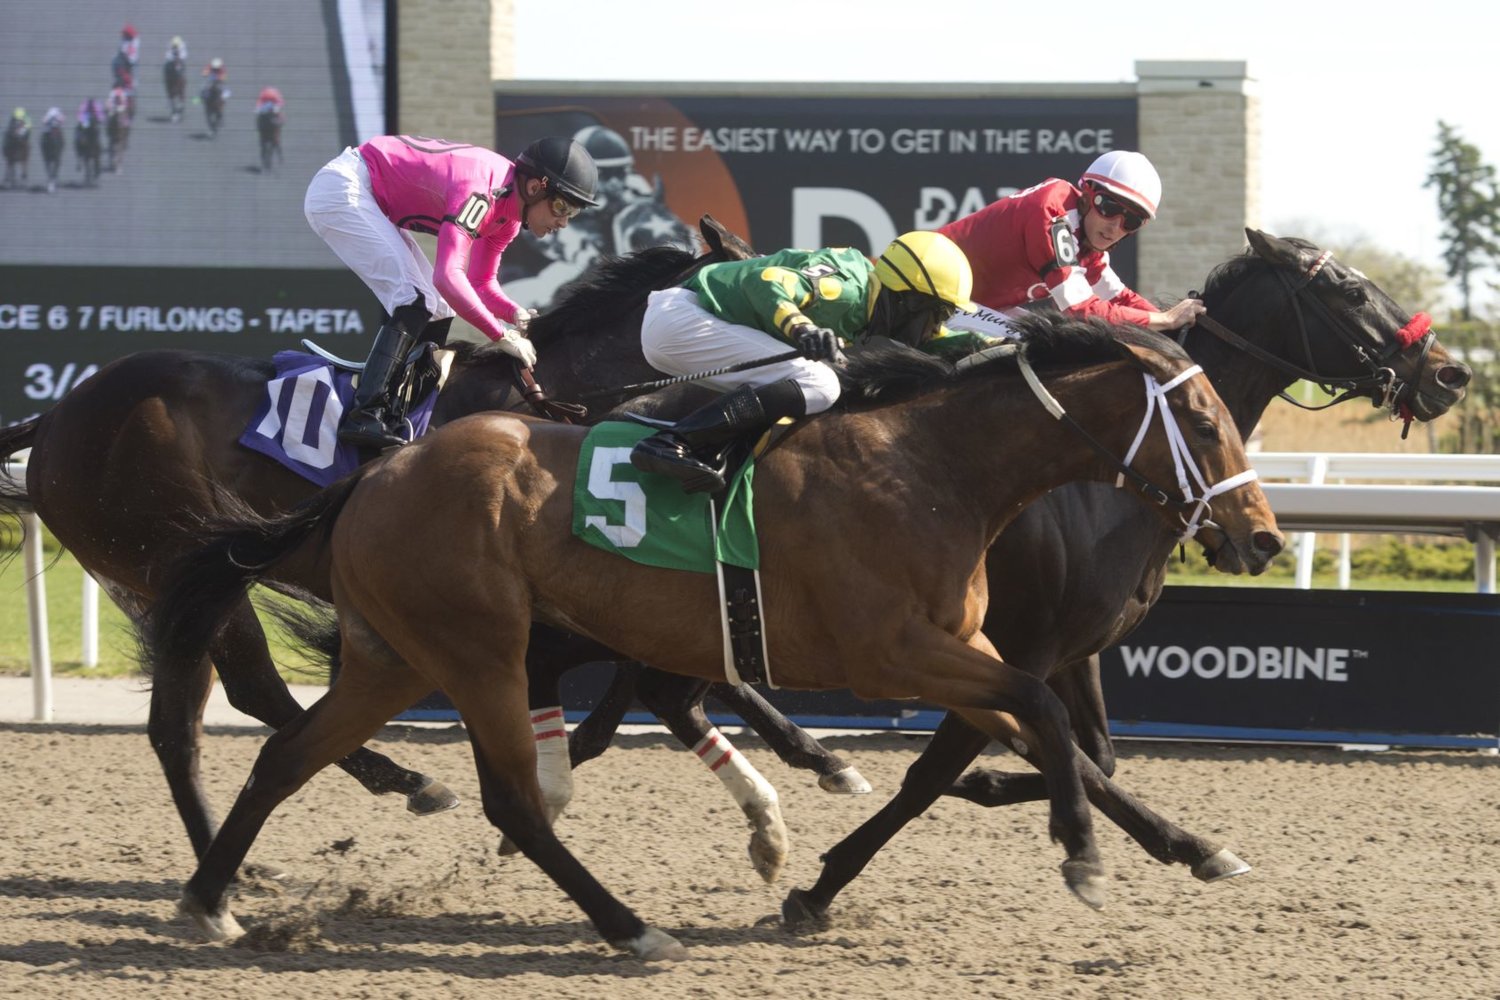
point(123, 466)
point(874, 522)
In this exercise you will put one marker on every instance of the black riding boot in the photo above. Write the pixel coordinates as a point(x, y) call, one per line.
point(365, 422)
point(692, 450)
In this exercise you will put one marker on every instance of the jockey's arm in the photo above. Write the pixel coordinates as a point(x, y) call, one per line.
point(778, 296)
point(458, 257)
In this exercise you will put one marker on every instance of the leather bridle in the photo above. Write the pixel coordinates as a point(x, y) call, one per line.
point(1381, 383)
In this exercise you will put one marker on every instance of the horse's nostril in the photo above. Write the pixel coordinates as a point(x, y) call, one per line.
point(1454, 376)
point(1268, 543)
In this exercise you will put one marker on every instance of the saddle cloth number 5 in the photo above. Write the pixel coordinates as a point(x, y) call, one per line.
point(604, 487)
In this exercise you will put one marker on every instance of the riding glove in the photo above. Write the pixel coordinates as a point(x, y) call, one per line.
point(518, 347)
point(819, 344)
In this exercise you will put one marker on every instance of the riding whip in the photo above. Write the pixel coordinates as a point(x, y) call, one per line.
point(742, 366)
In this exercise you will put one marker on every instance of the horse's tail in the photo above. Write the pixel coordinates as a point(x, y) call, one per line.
point(240, 547)
point(13, 499)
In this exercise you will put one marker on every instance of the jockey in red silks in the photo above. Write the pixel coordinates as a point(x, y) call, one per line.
point(1051, 243)
point(366, 200)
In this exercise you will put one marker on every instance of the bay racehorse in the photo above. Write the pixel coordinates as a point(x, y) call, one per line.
point(874, 521)
point(1077, 571)
point(122, 467)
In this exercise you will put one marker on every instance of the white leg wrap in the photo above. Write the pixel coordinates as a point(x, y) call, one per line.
point(753, 792)
point(554, 771)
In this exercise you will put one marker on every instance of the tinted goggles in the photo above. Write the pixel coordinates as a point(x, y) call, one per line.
point(1111, 207)
point(563, 208)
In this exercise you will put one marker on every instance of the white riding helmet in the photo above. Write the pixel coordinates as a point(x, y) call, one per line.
point(1129, 175)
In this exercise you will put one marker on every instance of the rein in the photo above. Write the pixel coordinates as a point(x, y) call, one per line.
point(1182, 458)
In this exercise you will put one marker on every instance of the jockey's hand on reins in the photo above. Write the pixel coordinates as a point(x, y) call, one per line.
point(818, 343)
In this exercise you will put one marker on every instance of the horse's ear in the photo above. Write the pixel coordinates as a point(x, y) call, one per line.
point(1143, 357)
point(721, 242)
point(1273, 249)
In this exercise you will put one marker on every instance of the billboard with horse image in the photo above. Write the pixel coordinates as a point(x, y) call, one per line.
point(854, 167)
point(173, 215)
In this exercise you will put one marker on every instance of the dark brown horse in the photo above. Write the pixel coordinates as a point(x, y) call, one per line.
point(1077, 571)
point(126, 463)
point(874, 523)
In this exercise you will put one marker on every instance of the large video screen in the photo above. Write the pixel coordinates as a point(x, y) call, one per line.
point(157, 198)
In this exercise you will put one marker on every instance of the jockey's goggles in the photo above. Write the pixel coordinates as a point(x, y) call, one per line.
point(1112, 208)
point(563, 208)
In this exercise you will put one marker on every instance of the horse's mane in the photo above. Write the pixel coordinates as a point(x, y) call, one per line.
point(611, 286)
point(1232, 273)
point(883, 371)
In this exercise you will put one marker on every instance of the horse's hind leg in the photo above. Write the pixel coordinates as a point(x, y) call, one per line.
point(954, 746)
point(678, 702)
point(789, 742)
point(253, 686)
point(355, 707)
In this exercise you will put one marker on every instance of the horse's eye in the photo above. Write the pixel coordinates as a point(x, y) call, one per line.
point(1206, 429)
point(1354, 293)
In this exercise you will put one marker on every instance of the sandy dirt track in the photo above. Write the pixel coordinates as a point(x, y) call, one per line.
point(1375, 876)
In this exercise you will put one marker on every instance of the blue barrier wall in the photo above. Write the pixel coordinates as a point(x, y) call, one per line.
point(1242, 663)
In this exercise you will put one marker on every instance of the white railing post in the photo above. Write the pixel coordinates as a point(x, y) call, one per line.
point(1307, 541)
point(1484, 561)
point(90, 621)
point(1344, 556)
point(36, 609)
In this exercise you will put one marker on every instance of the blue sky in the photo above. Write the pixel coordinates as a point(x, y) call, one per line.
point(1350, 100)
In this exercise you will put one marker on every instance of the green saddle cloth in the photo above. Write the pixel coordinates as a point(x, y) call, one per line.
point(647, 518)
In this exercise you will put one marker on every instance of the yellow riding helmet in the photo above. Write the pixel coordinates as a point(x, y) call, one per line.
point(929, 263)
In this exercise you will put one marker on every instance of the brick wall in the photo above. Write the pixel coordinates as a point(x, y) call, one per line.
point(447, 51)
point(1200, 125)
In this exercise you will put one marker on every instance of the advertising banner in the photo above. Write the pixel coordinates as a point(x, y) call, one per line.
point(172, 214)
point(788, 171)
point(1243, 663)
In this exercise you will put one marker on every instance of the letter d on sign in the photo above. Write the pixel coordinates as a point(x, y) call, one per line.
point(810, 206)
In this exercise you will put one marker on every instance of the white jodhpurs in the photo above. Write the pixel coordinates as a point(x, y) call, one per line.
point(342, 209)
point(680, 337)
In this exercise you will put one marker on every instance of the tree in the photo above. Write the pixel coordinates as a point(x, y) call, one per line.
point(1469, 206)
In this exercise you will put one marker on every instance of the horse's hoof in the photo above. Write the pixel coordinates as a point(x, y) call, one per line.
point(214, 925)
point(655, 946)
point(845, 782)
point(433, 797)
point(507, 847)
point(1085, 879)
point(1221, 865)
point(769, 842)
point(799, 915)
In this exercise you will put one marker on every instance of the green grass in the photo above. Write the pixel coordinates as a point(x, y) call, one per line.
point(117, 647)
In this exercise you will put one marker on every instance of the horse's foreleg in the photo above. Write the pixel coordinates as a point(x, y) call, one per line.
point(678, 702)
point(789, 741)
point(953, 747)
point(253, 686)
point(1077, 684)
point(353, 710)
point(494, 710)
point(1018, 709)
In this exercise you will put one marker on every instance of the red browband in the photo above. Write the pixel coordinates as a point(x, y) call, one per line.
point(1415, 330)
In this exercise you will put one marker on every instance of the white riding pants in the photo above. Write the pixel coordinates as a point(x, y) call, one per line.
point(341, 208)
point(680, 337)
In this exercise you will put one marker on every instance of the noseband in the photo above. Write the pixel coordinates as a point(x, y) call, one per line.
point(1380, 382)
point(1196, 502)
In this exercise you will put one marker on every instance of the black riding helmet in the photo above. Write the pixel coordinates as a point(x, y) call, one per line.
point(565, 165)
